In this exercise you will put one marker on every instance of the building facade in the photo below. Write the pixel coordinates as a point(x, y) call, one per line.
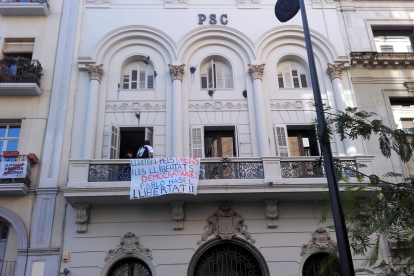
point(220, 80)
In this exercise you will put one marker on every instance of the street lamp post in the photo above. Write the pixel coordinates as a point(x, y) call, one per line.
point(286, 10)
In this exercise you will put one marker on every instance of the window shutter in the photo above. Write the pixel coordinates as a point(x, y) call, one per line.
point(227, 79)
point(280, 78)
point(303, 80)
point(236, 140)
point(295, 77)
point(287, 77)
point(210, 75)
point(142, 77)
point(197, 142)
point(149, 135)
point(125, 83)
point(150, 82)
point(134, 79)
point(219, 76)
point(282, 147)
point(204, 81)
point(114, 146)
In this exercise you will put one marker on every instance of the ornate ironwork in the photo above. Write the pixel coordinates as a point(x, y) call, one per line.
point(227, 259)
point(314, 169)
point(109, 173)
point(313, 264)
point(20, 70)
point(130, 267)
point(232, 170)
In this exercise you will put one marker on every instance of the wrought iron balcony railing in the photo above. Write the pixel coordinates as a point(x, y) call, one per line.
point(314, 169)
point(7, 268)
point(10, 180)
point(208, 170)
point(20, 70)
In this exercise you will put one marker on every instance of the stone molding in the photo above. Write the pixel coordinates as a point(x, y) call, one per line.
point(374, 59)
point(320, 240)
point(271, 213)
point(178, 215)
point(176, 71)
point(218, 105)
point(17, 224)
point(409, 85)
point(335, 70)
point(256, 71)
point(293, 104)
point(225, 223)
point(134, 106)
point(129, 245)
point(95, 72)
point(82, 218)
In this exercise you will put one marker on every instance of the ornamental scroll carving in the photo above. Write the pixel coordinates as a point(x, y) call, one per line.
point(256, 71)
point(176, 71)
point(95, 72)
point(135, 106)
point(335, 71)
point(129, 245)
point(225, 223)
point(178, 215)
point(292, 105)
point(218, 105)
point(320, 240)
point(271, 213)
point(82, 218)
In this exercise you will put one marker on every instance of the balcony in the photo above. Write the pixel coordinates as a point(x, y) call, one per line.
point(24, 7)
point(20, 77)
point(7, 268)
point(97, 181)
point(10, 184)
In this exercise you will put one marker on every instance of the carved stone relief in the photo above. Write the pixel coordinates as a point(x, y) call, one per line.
point(218, 105)
point(225, 223)
point(256, 71)
point(409, 85)
point(95, 72)
point(82, 218)
point(178, 215)
point(271, 213)
point(320, 240)
point(176, 71)
point(335, 70)
point(134, 106)
point(129, 245)
point(293, 105)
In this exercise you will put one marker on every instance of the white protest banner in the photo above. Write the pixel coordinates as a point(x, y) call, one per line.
point(155, 177)
point(13, 169)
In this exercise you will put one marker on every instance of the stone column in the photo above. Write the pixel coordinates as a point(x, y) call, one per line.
point(95, 76)
point(335, 73)
point(256, 73)
point(177, 73)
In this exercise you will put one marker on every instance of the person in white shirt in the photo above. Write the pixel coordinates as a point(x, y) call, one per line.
point(146, 151)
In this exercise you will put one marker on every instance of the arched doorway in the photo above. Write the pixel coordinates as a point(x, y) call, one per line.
point(314, 263)
point(228, 258)
point(130, 267)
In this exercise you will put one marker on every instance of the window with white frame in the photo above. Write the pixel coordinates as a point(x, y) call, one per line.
point(291, 76)
point(138, 75)
point(216, 74)
point(214, 141)
point(9, 137)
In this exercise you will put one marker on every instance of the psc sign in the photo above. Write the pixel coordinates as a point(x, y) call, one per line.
point(213, 19)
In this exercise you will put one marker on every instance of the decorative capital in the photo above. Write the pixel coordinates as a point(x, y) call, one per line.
point(95, 72)
point(320, 240)
point(129, 245)
point(225, 223)
point(178, 214)
point(82, 218)
point(271, 213)
point(409, 86)
point(176, 71)
point(256, 71)
point(335, 70)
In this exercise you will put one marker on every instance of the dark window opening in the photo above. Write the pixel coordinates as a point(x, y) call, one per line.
point(220, 142)
point(132, 138)
point(302, 141)
point(314, 263)
point(130, 267)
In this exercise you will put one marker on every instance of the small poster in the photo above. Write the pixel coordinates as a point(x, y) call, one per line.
point(156, 177)
point(13, 169)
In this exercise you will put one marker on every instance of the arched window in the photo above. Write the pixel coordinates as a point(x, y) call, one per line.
point(315, 262)
point(4, 233)
point(216, 74)
point(138, 75)
point(130, 267)
point(292, 77)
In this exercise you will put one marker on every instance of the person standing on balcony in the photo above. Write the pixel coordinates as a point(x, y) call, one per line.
point(128, 155)
point(146, 151)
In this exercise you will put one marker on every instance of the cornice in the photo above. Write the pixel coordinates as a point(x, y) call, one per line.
point(382, 60)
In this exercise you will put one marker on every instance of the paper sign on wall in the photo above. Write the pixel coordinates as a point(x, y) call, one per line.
point(156, 177)
point(13, 169)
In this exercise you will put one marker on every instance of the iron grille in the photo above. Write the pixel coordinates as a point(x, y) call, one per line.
point(313, 264)
point(227, 260)
point(109, 173)
point(20, 70)
point(130, 267)
point(314, 169)
point(232, 170)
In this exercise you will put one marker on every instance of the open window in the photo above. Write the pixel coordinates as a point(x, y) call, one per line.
point(126, 139)
point(216, 73)
point(390, 39)
point(214, 141)
point(138, 74)
point(296, 140)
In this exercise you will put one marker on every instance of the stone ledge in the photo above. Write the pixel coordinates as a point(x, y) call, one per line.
point(382, 60)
